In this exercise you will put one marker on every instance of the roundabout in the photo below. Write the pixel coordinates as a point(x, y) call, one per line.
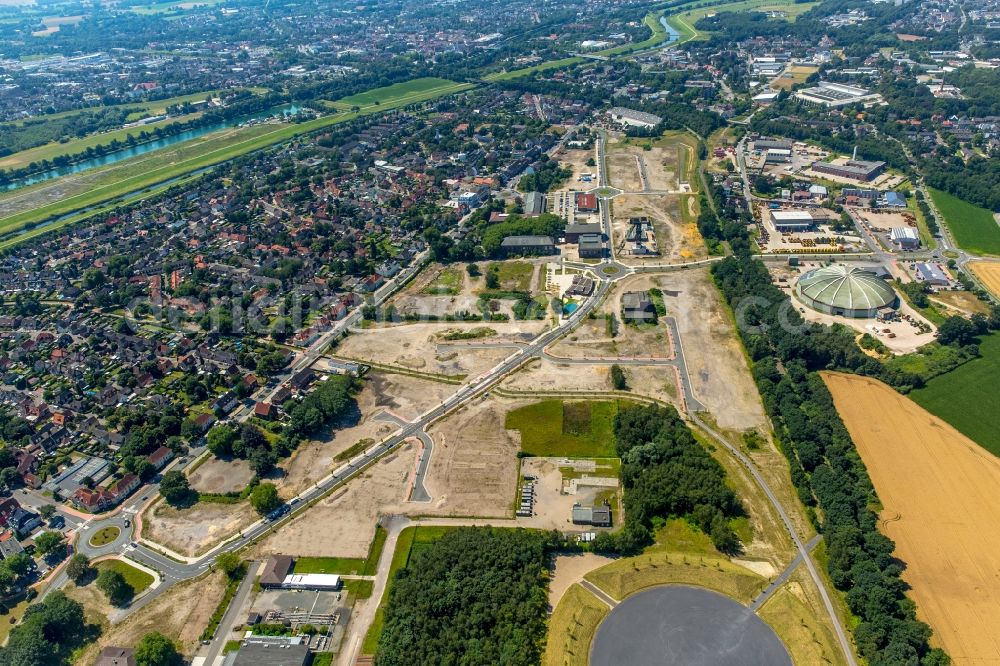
point(685, 626)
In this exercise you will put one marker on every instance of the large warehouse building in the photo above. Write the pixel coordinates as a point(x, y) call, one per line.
point(845, 291)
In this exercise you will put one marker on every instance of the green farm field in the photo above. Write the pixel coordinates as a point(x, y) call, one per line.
point(974, 228)
point(553, 428)
point(951, 396)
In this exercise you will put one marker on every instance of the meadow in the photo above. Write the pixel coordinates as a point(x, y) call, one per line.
point(951, 395)
point(974, 228)
point(553, 428)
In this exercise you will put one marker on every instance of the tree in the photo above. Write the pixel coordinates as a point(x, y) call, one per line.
point(115, 587)
point(220, 440)
point(231, 564)
point(19, 564)
point(50, 544)
point(176, 490)
point(492, 279)
point(155, 649)
point(618, 378)
point(78, 568)
point(264, 498)
point(46, 511)
point(956, 331)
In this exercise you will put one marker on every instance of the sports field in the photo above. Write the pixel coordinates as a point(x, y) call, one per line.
point(974, 228)
point(989, 273)
point(938, 491)
point(951, 396)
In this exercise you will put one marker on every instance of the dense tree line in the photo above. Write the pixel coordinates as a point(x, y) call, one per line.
point(475, 596)
point(825, 467)
point(545, 224)
point(667, 473)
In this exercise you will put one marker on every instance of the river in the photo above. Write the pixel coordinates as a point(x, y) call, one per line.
point(148, 147)
point(672, 35)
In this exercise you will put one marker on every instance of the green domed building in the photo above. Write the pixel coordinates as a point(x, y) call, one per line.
point(848, 292)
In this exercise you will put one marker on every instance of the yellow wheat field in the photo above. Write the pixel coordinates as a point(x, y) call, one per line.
point(989, 273)
point(940, 493)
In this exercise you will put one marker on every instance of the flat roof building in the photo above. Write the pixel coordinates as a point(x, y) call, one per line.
point(591, 246)
point(859, 170)
point(513, 245)
point(270, 651)
point(792, 220)
point(634, 118)
point(574, 231)
point(586, 202)
point(771, 144)
point(833, 95)
point(598, 516)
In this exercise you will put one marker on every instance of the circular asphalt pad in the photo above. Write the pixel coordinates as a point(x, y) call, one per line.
point(685, 626)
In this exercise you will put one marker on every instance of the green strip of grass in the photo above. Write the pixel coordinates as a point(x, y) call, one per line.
point(950, 395)
point(974, 228)
point(361, 566)
point(138, 579)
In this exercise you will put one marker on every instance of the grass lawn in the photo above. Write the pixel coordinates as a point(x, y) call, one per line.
point(572, 626)
point(366, 566)
point(513, 275)
point(952, 395)
point(401, 91)
point(682, 556)
point(138, 579)
point(7, 621)
point(360, 589)
point(566, 429)
point(974, 228)
point(104, 536)
point(540, 67)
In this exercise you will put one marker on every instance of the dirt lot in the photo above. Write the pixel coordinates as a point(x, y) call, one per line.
point(343, 524)
point(989, 273)
point(181, 614)
point(193, 531)
point(571, 569)
point(399, 395)
point(553, 505)
point(719, 372)
point(415, 346)
point(473, 470)
point(675, 240)
point(221, 476)
point(938, 490)
point(544, 375)
point(961, 302)
point(577, 160)
point(439, 290)
point(591, 340)
point(626, 161)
